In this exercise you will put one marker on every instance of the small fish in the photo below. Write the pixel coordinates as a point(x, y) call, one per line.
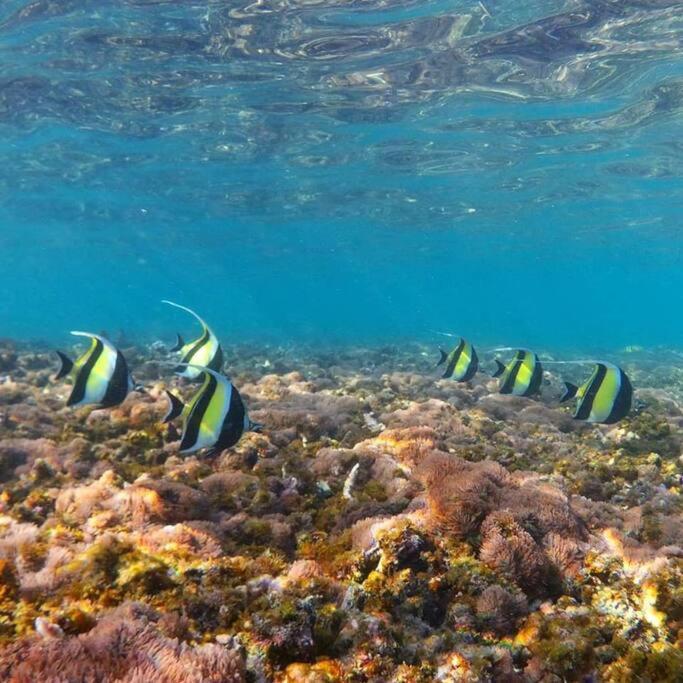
point(605, 398)
point(522, 376)
point(100, 376)
point(205, 351)
point(215, 417)
point(632, 348)
point(461, 363)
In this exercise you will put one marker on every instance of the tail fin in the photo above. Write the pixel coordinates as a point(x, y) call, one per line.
point(500, 369)
point(175, 407)
point(179, 343)
point(67, 365)
point(569, 392)
point(444, 355)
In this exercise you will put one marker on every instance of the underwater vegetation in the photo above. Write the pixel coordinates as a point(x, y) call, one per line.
point(385, 525)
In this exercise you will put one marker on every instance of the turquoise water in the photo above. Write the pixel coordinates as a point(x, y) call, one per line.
point(343, 171)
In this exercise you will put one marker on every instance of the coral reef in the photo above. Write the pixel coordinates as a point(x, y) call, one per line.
point(387, 525)
point(127, 644)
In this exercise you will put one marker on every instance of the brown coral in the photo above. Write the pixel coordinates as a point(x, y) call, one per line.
point(460, 494)
point(509, 549)
point(408, 445)
point(161, 501)
point(499, 610)
point(79, 502)
point(125, 647)
point(542, 509)
point(565, 554)
point(22, 453)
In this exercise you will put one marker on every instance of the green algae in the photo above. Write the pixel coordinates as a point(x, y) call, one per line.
point(661, 665)
point(653, 433)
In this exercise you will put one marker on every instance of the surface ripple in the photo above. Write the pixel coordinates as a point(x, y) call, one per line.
point(219, 99)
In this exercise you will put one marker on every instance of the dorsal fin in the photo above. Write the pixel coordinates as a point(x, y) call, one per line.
point(188, 310)
point(67, 365)
point(99, 337)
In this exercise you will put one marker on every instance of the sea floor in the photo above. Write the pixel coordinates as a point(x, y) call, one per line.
point(387, 525)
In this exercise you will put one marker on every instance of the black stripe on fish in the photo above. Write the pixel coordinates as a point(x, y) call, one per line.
point(194, 419)
point(442, 360)
point(454, 357)
point(585, 405)
point(472, 369)
point(187, 358)
point(509, 383)
point(536, 375)
point(536, 378)
point(623, 400)
point(117, 388)
point(217, 360)
point(80, 385)
point(233, 426)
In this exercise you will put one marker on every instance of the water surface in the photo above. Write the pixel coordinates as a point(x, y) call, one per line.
point(343, 171)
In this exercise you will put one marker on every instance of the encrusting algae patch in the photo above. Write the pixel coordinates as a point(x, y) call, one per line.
point(385, 525)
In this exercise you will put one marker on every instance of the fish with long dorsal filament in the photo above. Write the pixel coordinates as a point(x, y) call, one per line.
point(461, 363)
point(100, 376)
point(604, 398)
point(205, 351)
point(214, 418)
point(522, 376)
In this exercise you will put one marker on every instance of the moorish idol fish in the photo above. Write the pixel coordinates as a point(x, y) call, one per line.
point(100, 376)
point(215, 417)
point(461, 363)
point(605, 397)
point(202, 352)
point(522, 376)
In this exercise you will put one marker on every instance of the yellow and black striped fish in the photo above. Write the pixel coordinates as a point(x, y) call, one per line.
point(605, 397)
point(215, 417)
point(205, 351)
point(522, 376)
point(461, 363)
point(100, 376)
